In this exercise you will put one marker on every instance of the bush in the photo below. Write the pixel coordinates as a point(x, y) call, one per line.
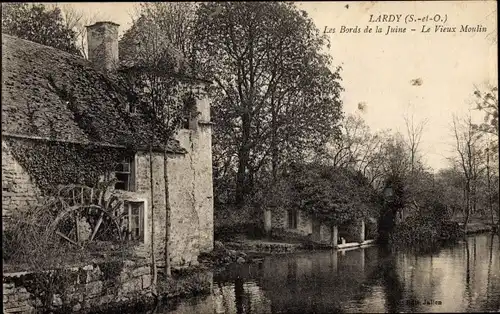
point(230, 221)
point(25, 239)
point(333, 195)
point(30, 243)
point(426, 228)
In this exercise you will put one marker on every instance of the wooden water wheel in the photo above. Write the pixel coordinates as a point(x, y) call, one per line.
point(85, 215)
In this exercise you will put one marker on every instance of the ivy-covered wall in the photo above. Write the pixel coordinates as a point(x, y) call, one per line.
point(18, 190)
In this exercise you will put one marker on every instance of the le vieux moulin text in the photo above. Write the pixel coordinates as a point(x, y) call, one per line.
point(407, 19)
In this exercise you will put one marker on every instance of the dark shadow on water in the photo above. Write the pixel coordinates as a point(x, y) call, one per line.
point(361, 280)
point(239, 294)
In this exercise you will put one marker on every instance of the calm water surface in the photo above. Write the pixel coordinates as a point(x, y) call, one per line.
point(465, 277)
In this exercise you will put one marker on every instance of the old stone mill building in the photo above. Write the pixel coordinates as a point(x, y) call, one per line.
point(50, 97)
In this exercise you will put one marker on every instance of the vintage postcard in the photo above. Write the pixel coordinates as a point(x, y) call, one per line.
point(250, 157)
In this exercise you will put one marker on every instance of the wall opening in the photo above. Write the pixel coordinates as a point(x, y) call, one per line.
point(135, 220)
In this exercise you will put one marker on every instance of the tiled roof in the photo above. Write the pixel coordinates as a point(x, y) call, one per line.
point(48, 93)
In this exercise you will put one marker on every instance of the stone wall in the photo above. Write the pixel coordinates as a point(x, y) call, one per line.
point(184, 219)
point(191, 193)
point(198, 142)
point(279, 220)
point(325, 234)
point(18, 191)
point(191, 210)
point(79, 289)
point(143, 192)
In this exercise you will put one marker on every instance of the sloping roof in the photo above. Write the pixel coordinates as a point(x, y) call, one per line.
point(49, 93)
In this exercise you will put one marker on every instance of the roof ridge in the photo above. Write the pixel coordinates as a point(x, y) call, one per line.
point(39, 44)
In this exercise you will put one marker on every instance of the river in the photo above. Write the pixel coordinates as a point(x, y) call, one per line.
point(462, 278)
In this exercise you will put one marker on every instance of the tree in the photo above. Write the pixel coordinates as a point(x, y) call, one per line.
point(467, 147)
point(450, 182)
point(274, 95)
point(37, 23)
point(332, 195)
point(77, 21)
point(155, 69)
point(488, 103)
point(357, 148)
point(414, 131)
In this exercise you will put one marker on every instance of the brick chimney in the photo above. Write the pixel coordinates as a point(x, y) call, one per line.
point(102, 40)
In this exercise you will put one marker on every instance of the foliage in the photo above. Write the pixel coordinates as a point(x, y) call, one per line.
point(426, 229)
point(155, 70)
point(44, 285)
point(357, 148)
point(450, 184)
point(37, 23)
point(399, 186)
point(487, 102)
point(333, 195)
point(184, 285)
point(174, 21)
point(59, 163)
point(23, 236)
point(228, 222)
point(111, 270)
point(30, 239)
point(274, 99)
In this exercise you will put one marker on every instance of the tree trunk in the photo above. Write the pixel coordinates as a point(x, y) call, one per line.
point(153, 259)
point(467, 205)
point(167, 214)
point(274, 143)
point(490, 201)
point(243, 159)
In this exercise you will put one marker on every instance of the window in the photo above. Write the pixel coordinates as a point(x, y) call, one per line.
point(132, 108)
point(189, 117)
point(134, 213)
point(124, 173)
point(292, 219)
point(186, 120)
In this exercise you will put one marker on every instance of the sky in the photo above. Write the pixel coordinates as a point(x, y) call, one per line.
point(377, 69)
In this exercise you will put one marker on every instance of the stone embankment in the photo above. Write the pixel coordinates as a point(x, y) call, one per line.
point(90, 288)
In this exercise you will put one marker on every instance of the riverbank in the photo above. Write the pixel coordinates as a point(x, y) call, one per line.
point(123, 287)
point(103, 287)
point(477, 227)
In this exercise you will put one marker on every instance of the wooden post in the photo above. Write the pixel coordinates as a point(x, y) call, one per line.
point(362, 259)
point(267, 221)
point(362, 231)
point(335, 236)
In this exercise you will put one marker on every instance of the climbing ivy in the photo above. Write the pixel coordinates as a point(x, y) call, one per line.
point(52, 163)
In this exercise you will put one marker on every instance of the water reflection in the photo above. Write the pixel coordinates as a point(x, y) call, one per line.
point(465, 277)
